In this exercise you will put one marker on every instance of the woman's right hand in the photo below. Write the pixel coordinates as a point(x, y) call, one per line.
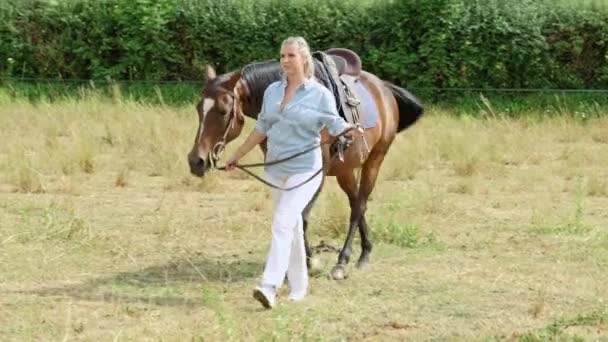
point(232, 162)
point(253, 139)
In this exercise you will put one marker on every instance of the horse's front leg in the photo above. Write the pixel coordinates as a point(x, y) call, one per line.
point(369, 175)
point(348, 183)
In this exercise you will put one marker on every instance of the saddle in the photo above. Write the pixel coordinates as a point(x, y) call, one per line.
point(347, 61)
point(338, 69)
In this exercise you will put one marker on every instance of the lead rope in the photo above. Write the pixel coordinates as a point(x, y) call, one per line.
point(245, 167)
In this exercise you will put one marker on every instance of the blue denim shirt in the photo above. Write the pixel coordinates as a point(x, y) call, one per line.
point(298, 126)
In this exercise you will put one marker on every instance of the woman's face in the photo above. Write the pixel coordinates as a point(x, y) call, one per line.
point(292, 62)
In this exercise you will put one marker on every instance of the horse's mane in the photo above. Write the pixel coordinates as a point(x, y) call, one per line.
point(258, 76)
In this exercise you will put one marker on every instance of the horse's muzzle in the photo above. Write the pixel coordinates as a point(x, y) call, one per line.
point(198, 165)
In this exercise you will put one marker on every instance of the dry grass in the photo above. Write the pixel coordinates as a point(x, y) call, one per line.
point(597, 186)
point(483, 229)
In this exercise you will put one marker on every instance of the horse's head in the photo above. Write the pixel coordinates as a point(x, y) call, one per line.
point(220, 120)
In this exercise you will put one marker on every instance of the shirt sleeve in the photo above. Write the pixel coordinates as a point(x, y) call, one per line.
point(329, 115)
point(262, 125)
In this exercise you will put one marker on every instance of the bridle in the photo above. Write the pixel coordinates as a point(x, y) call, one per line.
point(235, 114)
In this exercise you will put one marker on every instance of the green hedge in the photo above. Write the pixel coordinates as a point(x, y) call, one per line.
point(415, 43)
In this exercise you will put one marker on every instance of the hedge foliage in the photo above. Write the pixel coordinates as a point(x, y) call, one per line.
point(415, 43)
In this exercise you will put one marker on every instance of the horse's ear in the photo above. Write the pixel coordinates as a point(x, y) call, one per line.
point(210, 73)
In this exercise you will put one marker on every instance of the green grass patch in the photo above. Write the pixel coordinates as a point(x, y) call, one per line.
point(390, 227)
point(57, 221)
point(571, 224)
point(558, 330)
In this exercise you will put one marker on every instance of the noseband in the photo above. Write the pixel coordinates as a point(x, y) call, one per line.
point(219, 147)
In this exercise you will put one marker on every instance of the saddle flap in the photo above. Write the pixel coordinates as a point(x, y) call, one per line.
point(341, 85)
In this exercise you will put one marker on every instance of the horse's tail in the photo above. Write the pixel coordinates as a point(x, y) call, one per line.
point(410, 108)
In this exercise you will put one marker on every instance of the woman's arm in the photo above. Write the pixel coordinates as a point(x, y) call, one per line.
point(254, 138)
point(330, 118)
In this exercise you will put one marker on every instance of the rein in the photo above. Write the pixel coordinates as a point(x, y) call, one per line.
point(245, 167)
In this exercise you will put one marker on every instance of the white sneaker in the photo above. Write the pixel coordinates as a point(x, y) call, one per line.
point(266, 295)
point(297, 296)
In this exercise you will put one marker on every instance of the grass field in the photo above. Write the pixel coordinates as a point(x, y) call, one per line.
point(484, 229)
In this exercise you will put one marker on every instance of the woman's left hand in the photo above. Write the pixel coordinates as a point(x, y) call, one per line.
point(357, 131)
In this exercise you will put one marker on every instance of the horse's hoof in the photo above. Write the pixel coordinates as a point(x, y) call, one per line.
point(362, 264)
point(315, 267)
point(315, 264)
point(338, 273)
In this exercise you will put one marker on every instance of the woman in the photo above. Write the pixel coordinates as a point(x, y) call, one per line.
point(293, 113)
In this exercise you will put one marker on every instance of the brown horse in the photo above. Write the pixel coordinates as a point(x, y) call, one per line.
point(228, 98)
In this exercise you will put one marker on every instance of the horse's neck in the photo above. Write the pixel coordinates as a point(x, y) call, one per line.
point(248, 106)
point(251, 107)
point(255, 78)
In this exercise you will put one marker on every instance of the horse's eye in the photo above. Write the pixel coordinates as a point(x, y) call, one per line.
point(226, 100)
point(224, 105)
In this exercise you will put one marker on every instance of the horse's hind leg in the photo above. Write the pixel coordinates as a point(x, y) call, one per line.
point(305, 215)
point(348, 183)
point(369, 175)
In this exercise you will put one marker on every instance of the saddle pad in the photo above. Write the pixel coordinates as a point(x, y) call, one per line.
point(369, 111)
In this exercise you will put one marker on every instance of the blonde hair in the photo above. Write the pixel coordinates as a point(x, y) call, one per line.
point(304, 49)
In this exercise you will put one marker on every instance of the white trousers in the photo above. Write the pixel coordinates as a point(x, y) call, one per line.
point(287, 254)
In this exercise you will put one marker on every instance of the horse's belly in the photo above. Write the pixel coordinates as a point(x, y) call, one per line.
point(354, 157)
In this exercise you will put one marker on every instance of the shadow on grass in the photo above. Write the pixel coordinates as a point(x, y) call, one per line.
point(162, 285)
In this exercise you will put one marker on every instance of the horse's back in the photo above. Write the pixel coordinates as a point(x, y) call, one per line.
point(386, 105)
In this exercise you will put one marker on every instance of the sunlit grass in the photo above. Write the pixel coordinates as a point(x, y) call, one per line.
point(93, 135)
point(483, 228)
